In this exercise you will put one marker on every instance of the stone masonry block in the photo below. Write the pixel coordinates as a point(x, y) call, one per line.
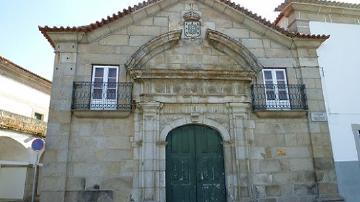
point(144, 30)
point(252, 43)
point(272, 190)
point(53, 196)
point(115, 40)
point(268, 166)
point(139, 40)
point(305, 189)
point(161, 21)
point(324, 163)
point(301, 164)
point(55, 183)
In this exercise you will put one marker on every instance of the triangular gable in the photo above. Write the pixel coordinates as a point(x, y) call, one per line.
point(153, 6)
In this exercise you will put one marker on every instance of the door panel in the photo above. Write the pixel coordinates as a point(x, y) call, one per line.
point(180, 166)
point(210, 166)
point(195, 165)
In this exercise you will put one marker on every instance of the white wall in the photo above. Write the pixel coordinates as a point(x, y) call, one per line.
point(339, 56)
point(21, 99)
point(12, 183)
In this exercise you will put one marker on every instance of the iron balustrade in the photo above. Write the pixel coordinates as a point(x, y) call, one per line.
point(278, 97)
point(102, 96)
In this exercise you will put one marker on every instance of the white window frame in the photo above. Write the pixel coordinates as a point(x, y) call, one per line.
point(273, 103)
point(103, 103)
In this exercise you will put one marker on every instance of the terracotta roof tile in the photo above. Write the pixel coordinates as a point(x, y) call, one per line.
point(88, 28)
point(321, 2)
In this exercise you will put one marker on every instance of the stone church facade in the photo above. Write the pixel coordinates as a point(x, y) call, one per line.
point(175, 100)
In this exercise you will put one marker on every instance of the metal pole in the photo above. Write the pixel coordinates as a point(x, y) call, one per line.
point(34, 177)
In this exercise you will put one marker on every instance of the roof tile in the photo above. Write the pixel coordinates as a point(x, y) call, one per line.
point(88, 28)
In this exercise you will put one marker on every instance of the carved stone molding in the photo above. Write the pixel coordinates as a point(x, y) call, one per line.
point(233, 48)
point(152, 48)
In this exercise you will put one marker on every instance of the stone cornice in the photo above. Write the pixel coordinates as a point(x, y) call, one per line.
point(336, 4)
point(187, 74)
point(320, 9)
point(15, 122)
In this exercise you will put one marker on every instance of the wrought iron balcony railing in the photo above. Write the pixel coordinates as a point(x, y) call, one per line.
point(278, 97)
point(102, 96)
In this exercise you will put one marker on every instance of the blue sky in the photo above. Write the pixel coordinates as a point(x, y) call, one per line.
point(23, 44)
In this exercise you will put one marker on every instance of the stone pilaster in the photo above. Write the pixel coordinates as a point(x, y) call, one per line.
point(54, 173)
point(148, 151)
point(242, 142)
point(323, 161)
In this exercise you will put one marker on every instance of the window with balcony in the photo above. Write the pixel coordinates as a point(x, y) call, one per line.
point(104, 92)
point(276, 94)
point(104, 88)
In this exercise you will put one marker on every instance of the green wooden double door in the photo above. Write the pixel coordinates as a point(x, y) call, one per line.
point(195, 165)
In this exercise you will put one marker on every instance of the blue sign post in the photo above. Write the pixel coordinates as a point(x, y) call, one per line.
point(37, 145)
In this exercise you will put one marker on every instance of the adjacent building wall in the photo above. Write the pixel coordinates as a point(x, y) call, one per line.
point(339, 69)
point(339, 60)
point(22, 93)
point(22, 99)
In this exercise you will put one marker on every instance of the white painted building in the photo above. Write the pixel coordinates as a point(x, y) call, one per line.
point(339, 61)
point(24, 103)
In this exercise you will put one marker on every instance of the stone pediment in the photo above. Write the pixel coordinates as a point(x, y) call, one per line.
point(218, 56)
point(104, 27)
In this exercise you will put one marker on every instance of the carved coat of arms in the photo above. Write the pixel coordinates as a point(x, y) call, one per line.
point(192, 24)
point(192, 29)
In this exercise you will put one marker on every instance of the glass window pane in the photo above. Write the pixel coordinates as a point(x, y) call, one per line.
point(99, 72)
point(283, 95)
point(111, 94)
point(270, 95)
point(268, 75)
point(112, 72)
point(98, 82)
point(111, 80)
point(269, 85)
point(280, 75)
point(112, 85)
point(97, 94)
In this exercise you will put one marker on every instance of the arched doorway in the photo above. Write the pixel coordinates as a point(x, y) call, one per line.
point(195, 165)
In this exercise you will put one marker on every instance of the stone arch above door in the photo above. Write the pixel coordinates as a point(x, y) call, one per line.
point(186, 121)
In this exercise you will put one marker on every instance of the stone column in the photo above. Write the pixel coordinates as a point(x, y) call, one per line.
point(324, 167)
point(148, 151)
point(242, 148)
point(54, 173)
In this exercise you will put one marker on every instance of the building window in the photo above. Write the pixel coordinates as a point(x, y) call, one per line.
point(276, 88)
point(104, 88)
point(38, 116)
